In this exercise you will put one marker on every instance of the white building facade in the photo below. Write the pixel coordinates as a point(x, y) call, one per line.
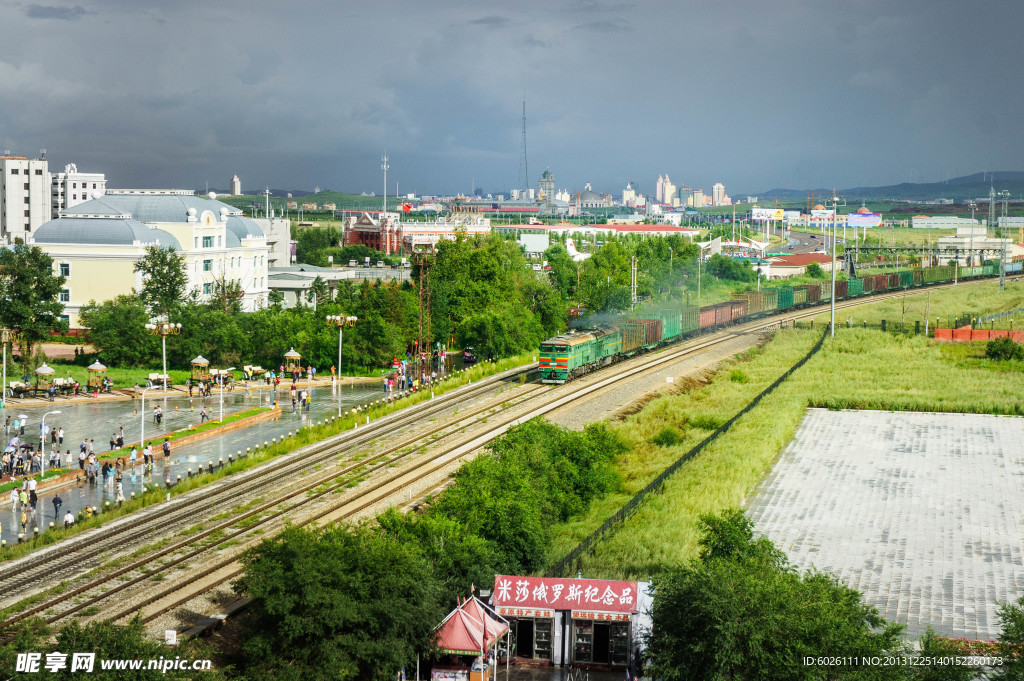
point(24, 196)
point(70, 188)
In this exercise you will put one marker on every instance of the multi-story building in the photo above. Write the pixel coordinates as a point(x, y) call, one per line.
point(236, 186)
point(393, 236)
point(629, 195)
point(718, 194)
point(97, 243)
point(668, 191)
point(546, 187)
point(24, 196)
point(659, 189)
point(71, 188)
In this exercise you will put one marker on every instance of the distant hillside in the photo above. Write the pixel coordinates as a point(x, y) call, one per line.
point(959, 189)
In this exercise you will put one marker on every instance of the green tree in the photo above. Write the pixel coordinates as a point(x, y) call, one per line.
point(118, 330)
point(164, 280)
point(742, 612)
point(29, 290)
point(227, 296)
point(107, 641)
point(1011, 641)
point(318, 292)
point(814, 271)
point(1004, 348)
point(337, 603)
point(275, 297)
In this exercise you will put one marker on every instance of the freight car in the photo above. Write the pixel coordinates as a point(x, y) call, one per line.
point(579, 352)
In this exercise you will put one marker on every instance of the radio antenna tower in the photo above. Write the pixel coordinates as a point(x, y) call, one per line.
point(524, 168)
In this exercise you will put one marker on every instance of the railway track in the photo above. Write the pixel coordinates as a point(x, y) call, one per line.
point(81, 551)
point(315, 495)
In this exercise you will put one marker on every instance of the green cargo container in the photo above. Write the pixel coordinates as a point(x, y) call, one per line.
point(989, 270)
point(918, 277)
point(799, 296)
point(906, 279)
point(771, 299)
point(855, 287)
point(671, 323)
point(785, 297)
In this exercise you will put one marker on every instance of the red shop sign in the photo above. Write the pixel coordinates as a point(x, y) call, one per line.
point(598, 595)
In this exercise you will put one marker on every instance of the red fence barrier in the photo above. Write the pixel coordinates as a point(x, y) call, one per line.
point(966, 333)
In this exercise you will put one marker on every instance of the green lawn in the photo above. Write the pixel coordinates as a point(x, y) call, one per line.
point(860, 369)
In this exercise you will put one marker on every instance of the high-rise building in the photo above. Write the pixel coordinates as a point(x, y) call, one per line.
point(697, 199)
point(71, 188)
point(668, 191)
point(236, 186)
point(546, 186)
point(659, 190)
point(629, 195)
point(24, 196)
point(718, 194)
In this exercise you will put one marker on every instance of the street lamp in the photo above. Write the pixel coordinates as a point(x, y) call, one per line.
point(340, 321)
point(6, 336)
point(142, 420)
point(164, 329)
point(42, 441)
point(221, 379)
point(835, 216)
point(973, 206)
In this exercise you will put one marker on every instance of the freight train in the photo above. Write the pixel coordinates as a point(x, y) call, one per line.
point(579, 352)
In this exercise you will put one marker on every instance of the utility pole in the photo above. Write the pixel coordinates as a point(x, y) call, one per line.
point(423, 261)
point(632, 278)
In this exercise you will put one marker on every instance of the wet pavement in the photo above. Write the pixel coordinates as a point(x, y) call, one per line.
point(922, 513)
point(98, 420)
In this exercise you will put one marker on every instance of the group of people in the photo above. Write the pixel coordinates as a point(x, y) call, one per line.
point(303, 399)
point(203, 387)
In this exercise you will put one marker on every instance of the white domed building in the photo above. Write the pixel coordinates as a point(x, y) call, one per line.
point(96, 244)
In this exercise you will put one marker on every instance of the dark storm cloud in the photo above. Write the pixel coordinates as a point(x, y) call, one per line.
point(51, 12)
point(753, 94)
point(491, 21)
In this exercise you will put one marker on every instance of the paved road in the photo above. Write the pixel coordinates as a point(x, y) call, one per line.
point(920, 512)
point(99, 420)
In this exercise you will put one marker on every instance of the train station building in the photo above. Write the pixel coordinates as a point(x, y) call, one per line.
point(573, 621)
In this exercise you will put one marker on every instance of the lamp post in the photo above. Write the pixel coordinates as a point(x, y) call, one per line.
point(220, 378)
point(973, 206)
point(163, 330)
point(42, 441)
point(340, 321)
point(832, 321)
point(142, 419)
point(6, 336)
point(670, 264)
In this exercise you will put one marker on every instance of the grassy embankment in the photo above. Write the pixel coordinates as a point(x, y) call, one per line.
point(976, 298)
point(861, 369)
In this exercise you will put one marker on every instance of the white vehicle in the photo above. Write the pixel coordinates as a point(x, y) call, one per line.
point(380, 263)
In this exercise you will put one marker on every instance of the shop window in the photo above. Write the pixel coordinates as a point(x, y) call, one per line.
point(601, 642)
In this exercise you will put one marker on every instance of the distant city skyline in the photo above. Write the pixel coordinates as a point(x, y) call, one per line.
point(800, 95)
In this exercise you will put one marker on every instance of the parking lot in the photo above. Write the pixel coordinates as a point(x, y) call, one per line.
point(922, 513)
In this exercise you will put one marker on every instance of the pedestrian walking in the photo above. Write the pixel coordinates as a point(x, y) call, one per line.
point(113, 441)
point(7, 426)
point(293, 401)
point(60, 436)
point(14, 500)
point(120, 437)
point(23, 499)
point(203, 416)
point(57, 502)
point(81, 458)
point(120, 493)
point(33, 499)
point(67, 459)
point(309, 400)
point(24, 521)
point(134, 455)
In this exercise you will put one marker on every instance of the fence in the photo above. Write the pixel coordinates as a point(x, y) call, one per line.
point(571, 558)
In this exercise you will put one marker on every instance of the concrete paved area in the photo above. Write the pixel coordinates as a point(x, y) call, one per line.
point(923, 513)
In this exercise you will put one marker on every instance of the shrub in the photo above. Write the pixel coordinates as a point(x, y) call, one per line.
point(1004, 348)
point(668, 437)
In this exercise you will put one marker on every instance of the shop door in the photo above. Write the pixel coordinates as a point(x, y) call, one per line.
point(601, 639)
point(524, 638)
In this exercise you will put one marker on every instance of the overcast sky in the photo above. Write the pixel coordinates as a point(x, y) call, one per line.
point(754, 94)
